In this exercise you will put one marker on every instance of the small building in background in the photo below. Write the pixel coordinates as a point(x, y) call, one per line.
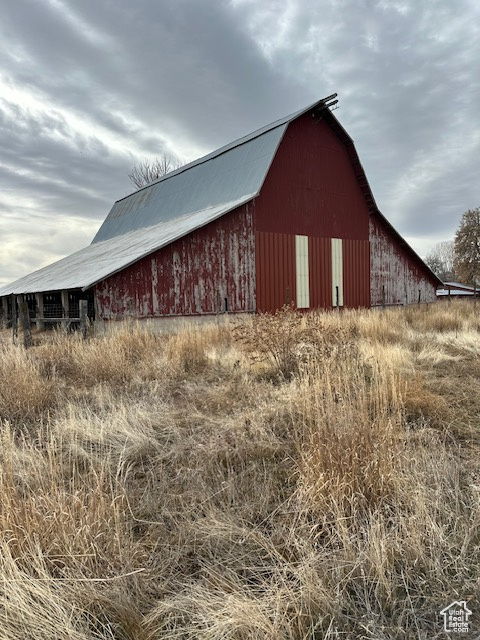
point(284, 215)
point(457, 290)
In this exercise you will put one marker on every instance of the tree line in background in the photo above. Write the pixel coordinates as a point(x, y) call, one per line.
point(455, 260)
point(458, 260)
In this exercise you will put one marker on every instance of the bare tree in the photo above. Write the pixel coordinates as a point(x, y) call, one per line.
point(467, 247)
point(441, 260)
point(147, 171)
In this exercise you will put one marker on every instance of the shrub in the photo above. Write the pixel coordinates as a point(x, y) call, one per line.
point(287, 340)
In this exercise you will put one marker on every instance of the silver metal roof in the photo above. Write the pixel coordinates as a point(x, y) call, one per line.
point(454, 292)
point(459, 285)
point(180, 202)
point(92, 264)
point(226, 174)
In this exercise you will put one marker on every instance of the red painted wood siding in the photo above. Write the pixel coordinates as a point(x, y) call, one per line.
point(191, 276)
point(311, 188)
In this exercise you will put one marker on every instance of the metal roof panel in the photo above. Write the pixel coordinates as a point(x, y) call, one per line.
point(166, 210)
point(229, 176)
point(96, 262)
point(228, 173)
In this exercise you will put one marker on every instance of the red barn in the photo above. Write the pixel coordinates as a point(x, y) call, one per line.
point(283, 215)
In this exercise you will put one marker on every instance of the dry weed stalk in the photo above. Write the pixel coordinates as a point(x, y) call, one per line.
point(351, 443)
point(288, 340)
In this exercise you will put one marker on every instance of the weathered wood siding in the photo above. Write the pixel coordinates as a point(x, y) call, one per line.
point(395, 276)
point(208, 271)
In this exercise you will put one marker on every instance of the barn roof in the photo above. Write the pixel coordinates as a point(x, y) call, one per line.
point(170, 208)
point(181, 202)
point(99, 260)
point(459, 285)
point(230, 173)
point(454, 292)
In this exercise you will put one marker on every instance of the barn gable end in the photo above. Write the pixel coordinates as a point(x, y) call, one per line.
point(311, 188)
point(312, 191)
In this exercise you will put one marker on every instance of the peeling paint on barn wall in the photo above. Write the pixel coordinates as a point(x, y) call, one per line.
point(395, 277)
point(208, 271)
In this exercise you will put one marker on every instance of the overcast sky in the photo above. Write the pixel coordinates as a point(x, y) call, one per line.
point(87, 87)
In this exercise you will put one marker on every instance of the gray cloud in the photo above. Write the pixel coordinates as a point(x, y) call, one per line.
point(87, 87)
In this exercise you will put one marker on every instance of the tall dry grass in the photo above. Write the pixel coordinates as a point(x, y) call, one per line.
point(214, 484)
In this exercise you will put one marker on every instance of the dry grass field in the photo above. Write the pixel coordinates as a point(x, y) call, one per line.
point(287, 477)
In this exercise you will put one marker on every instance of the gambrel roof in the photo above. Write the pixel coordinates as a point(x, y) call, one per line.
point(181, 202)
point(166, 210)
point(234, 174)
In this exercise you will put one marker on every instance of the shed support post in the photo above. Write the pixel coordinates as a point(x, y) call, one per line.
point(83, 312)
point(96, 306)
point(40, 312)
point(14, 319)
point(65, 308)
point(4, 312)
point(25, 321)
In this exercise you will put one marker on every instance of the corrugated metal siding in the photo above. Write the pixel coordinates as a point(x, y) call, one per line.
point(356, 273)
point(275, 271)
point(193, 275)
point(311, 188)
point(395, 277)
point(277, 277)
point(320, 270)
